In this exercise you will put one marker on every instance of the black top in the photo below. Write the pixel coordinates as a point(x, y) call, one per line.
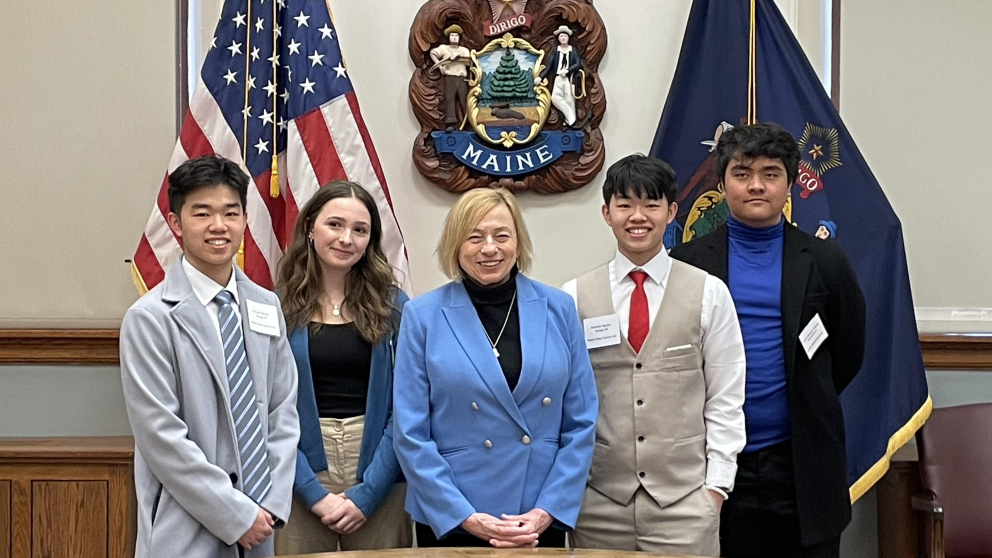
point(340, 361)
point(492, 303)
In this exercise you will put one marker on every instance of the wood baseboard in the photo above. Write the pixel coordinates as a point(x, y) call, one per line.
point(101, 346)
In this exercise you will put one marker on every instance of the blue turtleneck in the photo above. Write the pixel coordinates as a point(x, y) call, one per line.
point(754, 273)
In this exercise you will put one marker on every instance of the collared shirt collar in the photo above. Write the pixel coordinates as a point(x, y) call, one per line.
point(657, 269)
point(205, 288)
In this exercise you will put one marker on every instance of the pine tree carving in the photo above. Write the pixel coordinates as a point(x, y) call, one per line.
point(509, 81)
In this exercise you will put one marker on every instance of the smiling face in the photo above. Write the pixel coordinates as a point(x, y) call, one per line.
point(211, 226)
point(639, 225)
point(756, 190)
point(341, 233)
point(490, 251)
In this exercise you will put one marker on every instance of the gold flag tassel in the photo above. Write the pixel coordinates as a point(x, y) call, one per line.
point(274, 181)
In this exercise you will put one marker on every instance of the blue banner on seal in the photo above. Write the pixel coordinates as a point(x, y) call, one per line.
point(543, 151)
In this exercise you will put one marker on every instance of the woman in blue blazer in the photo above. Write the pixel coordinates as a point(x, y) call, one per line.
point(342, 309)
point(495, 400)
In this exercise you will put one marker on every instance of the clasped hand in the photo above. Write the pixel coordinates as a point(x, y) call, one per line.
point(339, 513)
point(260, 530)
point(511, 530)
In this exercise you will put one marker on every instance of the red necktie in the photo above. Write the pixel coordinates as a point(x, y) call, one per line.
point(640, 323)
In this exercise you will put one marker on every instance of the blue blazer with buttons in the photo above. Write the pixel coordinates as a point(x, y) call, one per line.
point(378, 470)
point(465, 442)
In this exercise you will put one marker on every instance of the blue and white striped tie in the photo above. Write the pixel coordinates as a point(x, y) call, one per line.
point(256, 480)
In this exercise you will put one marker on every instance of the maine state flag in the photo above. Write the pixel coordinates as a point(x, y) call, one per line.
point(731, 71)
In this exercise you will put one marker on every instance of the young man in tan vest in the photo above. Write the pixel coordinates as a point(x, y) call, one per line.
point(668, 356)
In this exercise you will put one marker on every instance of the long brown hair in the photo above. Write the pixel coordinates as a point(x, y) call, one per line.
point(367, 289)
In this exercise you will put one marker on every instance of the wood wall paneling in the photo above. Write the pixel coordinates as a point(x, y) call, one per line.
point(59, 346)
point(101, 346)
point(957, 352)
point(71, 497)
point(69, 518)
point(20, 521)
point(4, 519)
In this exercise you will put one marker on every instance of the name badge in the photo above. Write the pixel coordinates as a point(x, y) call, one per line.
point(602, 331)
point(263, 318)
point(812, 336)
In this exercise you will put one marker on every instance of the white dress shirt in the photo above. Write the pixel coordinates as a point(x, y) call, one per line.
point(723, 357)
point(206, 290)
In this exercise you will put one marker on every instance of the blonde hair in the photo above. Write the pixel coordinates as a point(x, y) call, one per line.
point(466, 214)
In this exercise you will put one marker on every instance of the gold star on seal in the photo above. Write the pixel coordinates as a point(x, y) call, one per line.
point(816, 152)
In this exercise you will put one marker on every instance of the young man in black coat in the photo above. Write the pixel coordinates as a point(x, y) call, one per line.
point(802, 315)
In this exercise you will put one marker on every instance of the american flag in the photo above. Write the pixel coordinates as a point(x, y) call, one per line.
point(274, 83)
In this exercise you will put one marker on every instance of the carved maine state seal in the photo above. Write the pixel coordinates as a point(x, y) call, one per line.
point(507, 93)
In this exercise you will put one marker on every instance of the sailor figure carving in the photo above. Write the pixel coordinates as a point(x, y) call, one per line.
point(564, 64)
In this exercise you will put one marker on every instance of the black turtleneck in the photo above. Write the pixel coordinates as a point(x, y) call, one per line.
point(492, 304)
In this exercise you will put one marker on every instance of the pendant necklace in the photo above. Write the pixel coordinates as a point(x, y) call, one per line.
point(502, 329)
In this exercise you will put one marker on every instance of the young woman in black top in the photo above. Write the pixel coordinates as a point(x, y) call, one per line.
point(342, 310)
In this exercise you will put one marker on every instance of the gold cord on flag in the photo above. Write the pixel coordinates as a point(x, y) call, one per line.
point(274, 180)
point(752, 74)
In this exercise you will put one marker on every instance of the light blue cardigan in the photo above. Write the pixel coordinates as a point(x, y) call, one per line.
point(378, 469)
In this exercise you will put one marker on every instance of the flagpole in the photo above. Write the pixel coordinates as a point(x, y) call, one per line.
point(274, 179)
point(752, 75)
point(244, 131)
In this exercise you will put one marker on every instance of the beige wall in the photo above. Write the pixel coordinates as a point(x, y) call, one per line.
point(915, 82)
point(88, 129)
point(87, 121)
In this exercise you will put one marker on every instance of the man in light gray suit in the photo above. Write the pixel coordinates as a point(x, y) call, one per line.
point(210, 385)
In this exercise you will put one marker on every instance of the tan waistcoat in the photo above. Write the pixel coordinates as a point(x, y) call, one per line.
point(650, 431)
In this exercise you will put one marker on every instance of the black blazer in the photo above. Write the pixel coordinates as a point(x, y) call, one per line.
point(816, 278)
point(551, 66)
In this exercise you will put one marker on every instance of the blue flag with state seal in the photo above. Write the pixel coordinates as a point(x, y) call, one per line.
point(740, 62)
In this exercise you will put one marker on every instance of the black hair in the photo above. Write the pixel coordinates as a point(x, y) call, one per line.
point(201, 172)
point(767, 139)
point(641, 176)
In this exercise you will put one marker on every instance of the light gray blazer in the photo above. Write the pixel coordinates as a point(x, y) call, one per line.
point(186, 462)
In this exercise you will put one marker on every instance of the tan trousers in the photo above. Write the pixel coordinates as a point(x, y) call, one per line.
point(389, 527)
point(689, 526)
